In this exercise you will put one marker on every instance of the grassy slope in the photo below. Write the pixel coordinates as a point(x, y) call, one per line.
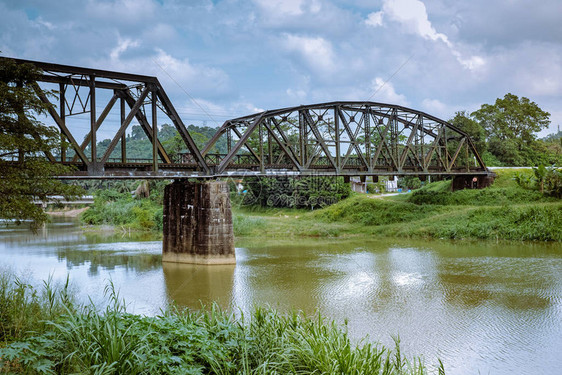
point(503, 211)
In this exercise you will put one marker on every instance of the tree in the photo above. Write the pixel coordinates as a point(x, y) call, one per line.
point(138, 133)
point(511, 124)
point(471, 127)
point(512, 117)
point(25, 174)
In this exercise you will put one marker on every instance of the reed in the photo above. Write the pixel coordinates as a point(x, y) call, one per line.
point(83, 339)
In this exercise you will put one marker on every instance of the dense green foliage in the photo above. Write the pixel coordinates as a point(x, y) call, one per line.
point(25, 174)
point(72, 339)
point(503, 211)
point(504, 133)
point(23, 309)
point(295, 192)
point(439, 193)
point(547, 180)
point(112, 207)
point(409, 182)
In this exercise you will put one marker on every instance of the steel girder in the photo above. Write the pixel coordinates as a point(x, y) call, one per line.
point(347, 138)
point(77, 91)
point(335, 138)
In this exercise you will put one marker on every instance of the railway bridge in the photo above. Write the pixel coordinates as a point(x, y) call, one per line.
point(344, 138)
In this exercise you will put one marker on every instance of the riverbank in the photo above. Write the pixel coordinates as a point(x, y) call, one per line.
point(44, 331)
point(504, 211)
point(362, 216)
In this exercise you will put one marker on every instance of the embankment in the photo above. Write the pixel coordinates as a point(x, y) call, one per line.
point(504, 211)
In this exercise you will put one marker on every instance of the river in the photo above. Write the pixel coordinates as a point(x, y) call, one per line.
point(480, 307)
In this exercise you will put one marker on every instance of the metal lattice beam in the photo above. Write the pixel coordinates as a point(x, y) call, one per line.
point(335, 138)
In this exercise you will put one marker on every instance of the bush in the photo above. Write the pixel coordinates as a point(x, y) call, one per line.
point(553, 182)
point(120, 209)
point(523, 223)
point(547, 180)
point(244, 225)
point(23, 309)
point(366, 211)
point(298, 192)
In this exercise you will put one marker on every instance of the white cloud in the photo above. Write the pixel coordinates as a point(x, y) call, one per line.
point(122, 46)
point(385, 93)
point(178, 75)
point(413, 17)
point(245, 55)
point(374, 19)
point(412, 14)
point(41, 22)
point(190, 75)
point(296, 94)
point(126, 11)
point(317, 52)
point(535, 69)
point(470, 63)
point(437, 108)
point(284, 8)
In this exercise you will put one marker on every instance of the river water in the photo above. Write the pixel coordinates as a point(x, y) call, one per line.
point(483, 308)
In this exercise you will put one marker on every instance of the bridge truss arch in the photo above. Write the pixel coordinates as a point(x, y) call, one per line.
point(341, 138)
point(345, 138)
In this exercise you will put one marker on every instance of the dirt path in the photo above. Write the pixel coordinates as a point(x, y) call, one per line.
point(67, 213)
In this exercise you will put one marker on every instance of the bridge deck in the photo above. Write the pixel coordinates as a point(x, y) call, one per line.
point(183, 170)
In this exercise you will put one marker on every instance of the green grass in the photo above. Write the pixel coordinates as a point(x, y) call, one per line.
point(504, 211)
point(503, 191)
point(81, 339)
point(537, 222)
point(244, 224)
point(24, 309)
point(368, 211)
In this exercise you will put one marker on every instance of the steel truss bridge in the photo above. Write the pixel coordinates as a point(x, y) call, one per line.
point(333, 139)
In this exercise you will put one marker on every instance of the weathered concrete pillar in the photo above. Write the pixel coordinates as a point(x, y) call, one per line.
point(473, 182)
point(198, 223)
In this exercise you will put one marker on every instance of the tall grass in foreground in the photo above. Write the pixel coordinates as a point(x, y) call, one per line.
point(81, 339)
point(24, 309)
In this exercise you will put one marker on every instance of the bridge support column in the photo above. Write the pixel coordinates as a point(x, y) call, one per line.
point(198, 223)
point(472, 182)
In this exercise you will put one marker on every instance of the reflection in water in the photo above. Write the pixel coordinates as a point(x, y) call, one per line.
point(193, 285)
point(479, 306)
point(99, 256)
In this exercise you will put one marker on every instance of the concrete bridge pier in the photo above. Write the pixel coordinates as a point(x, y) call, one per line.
point(198, 223)
point(472, 182)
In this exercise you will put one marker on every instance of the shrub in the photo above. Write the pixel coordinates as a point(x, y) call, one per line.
point(301, 192)
point(112, 208)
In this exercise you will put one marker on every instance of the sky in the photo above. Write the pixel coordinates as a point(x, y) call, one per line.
point(238, 57)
